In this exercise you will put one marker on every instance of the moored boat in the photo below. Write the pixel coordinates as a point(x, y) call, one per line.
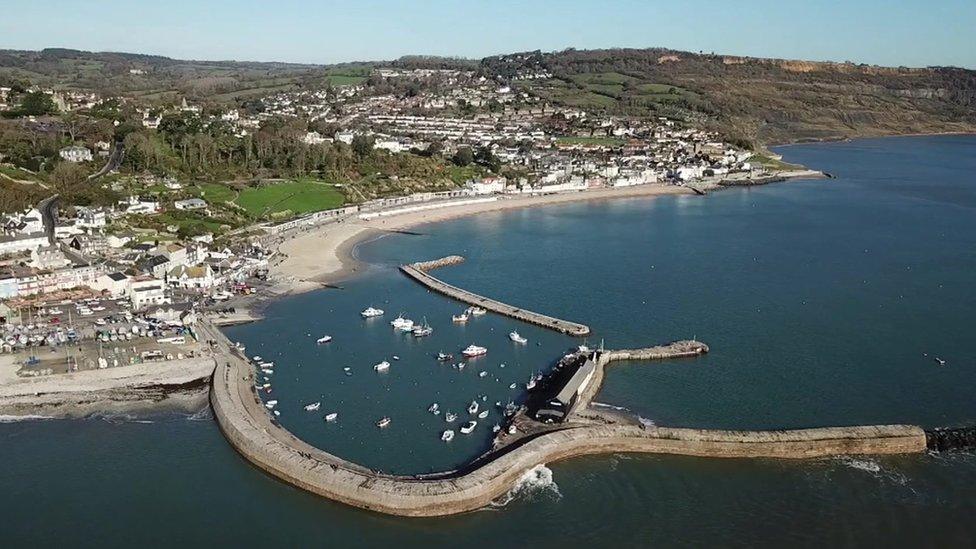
point(483, 414)
point(461, 318)
point(370, 312)
point(449, 417)
point(475, 311)
point(383, 422)
point(382, 366)
point(313, 406)
point(447, 436)
point(514, 336)
point(468, 427)
point(324, 339)
point(473, 350)
point(332, 417)
point(473, 407)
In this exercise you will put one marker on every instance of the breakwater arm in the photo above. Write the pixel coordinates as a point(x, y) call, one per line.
point(419, 272)
point(250, 429)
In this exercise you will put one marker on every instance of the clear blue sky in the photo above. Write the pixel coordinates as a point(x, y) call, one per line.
point(892, 32)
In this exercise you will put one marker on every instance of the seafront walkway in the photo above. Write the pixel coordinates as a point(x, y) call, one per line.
point(419, 272)
point(249, 427)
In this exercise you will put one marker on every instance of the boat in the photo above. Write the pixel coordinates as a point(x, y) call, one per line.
point(512, 386)
point(940, 361)
point(530, 385)
point(434, 408)
point(257, 358)
point(475, 311)
point(483, 414)
point(447, 436)
point(382, 366)
point(444, 357)
point(461, 318)
point(323, 339)
point(402, 324)
point(383, 422)
point(395, 357)
point(331, 417)
point(449, 417)
point(313, 407)
point(468, 427)
point(370, 312)
point(473, 350)
point(266, 364)
point(482, 374)
point(496, 428)
point(512, 429)
point(422, 331)
point(270, 404)
point(277, 413)
point(473, 407)
point(514, 336)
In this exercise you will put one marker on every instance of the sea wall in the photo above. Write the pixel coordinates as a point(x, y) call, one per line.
point(249, 428)
point(418, 272)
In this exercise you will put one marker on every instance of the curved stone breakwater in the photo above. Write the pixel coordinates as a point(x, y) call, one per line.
point(250, 429)
point(418, 272)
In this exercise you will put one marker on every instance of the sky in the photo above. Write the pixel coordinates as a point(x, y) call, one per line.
point(891, 32)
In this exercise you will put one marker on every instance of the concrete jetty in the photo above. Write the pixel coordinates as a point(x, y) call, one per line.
point(419, 272)
point(248, 426)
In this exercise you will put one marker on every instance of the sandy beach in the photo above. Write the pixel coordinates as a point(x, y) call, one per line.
point(323, 255)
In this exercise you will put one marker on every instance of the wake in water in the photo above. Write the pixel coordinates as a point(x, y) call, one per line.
point(873, 468)
point(118, 419)
point(537, 480)
point(868, 465)
point(202, 414)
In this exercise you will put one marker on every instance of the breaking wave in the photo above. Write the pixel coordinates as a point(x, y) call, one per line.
point(16, 419)
point(868, 465)
point(535, 481)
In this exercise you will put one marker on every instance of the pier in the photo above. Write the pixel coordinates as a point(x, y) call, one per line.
point(249, 427)
point(419, 272)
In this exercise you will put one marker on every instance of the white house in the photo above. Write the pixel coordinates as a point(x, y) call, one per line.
point(76, 154)
point(191, 278)
point(146, 291)
point(90, 217)
point(115, 284)
point(190, 204)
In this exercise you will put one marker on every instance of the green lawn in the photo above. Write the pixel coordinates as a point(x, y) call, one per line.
point(298, 197)
point(772, 163)
point(214, 192)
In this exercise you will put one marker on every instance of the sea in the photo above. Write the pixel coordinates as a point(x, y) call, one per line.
point(824, 302)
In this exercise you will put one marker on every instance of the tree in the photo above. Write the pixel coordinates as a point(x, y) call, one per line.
point(35, 104)
point(435, 148)
point(66, 175)
point(463, 156)
point(362, 145)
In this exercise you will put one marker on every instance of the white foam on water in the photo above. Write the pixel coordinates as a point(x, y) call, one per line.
point(537, 480)
point(17, 419)
point(868, 465)
point(203, 414)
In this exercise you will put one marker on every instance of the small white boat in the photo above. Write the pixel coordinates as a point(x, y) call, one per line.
point(447, 436)
point(423, 330)
point(383, 422)
point(382, 366)
point(530, 385)
point(941, 362)
point(476, 311)
point(323, 339)
point(482, 374)
point(270, 404)
point(483, 414)
point(512, 429)
point(512, 386)
point(460, 319)
point(257, 358)
point(468, 427)
point(473, 407)
point(434, 408)
point(277, 413)
point(449, 417)
point(266, 364)
point(401, 323)
point(370, 312)
point(514, 336)
point(313, 406)
point(473, 350)
point(395, 357)
point(332, 417)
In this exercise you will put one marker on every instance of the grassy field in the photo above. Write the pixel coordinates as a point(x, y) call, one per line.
point(299, 197)
point(214, 192)
point(608, 141)
point(773, 164)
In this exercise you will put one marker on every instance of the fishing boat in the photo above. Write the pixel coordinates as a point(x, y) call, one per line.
point(475, 311)
point(473, 407)
point(402, 324)
point(473, 350)
point(313, 406)
point(423, 330)
point(468, 427)
point(444, 357)
point(383, 422)
point(449, 417)
point(514, 336)
point(483, 414)
point(434, 408)
point(332, 417)
point(447, 436)
point(460, 319)
point(382, 366)
point(370, 312)
point(530, 385)
point(323, 339)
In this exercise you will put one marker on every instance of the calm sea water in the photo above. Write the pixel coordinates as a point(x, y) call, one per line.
point(824, 303)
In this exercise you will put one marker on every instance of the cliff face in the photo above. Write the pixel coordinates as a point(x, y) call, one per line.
point(763, 100)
